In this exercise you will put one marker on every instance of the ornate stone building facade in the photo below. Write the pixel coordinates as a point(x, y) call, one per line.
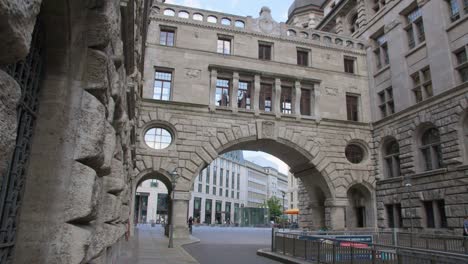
point(418, 73)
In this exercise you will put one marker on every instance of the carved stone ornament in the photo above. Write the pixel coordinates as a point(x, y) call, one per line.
point(268, 129)
point(192, 73)
point(331, 91)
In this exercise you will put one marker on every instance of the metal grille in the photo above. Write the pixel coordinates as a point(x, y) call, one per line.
point(28, 75)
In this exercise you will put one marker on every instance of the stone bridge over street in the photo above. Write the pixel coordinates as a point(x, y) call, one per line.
point(313, 148)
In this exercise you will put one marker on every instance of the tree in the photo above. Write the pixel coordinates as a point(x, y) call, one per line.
point(275, 208)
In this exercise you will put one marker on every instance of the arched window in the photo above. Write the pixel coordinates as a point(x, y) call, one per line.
point(212, 19)
point(169, 12)
point(304, 35)
point(240, 24)
point(349, 44)
point(431, 150)
point(184, 14)
point(226, 21)
point(327, 39)
point(354, 26)
point(315, 37)
point(198, 17)
point(338, 41)
point(392, 159)
point(291, 33)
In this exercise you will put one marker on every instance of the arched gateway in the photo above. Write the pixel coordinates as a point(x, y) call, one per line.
point(314, 150)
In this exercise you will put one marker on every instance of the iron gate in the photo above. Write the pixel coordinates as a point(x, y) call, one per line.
point(28, 75)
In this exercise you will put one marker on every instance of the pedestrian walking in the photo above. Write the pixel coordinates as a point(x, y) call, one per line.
point(465, 234)
point(190, 223)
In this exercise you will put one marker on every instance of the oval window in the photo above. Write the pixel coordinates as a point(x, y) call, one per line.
point(212, 19)
point(169, 12)
point(354, 153)
point(158, 138)
point(198, 17)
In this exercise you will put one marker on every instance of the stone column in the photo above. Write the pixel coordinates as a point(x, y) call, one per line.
point(180, 204)
point(255, 96)
point(335, 213)
point(235, 87)
point(315, 100)
point(296, 98)
point(214, 78)
point(276, 104)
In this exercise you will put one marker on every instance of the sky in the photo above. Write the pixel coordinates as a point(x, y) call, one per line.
point(266, 160)
point(279, 8)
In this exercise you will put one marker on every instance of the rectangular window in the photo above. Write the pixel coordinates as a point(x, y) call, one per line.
point(286, 100)
point(208, 175)
point(214, 190)
point(386, 104)
point(220, 192)
point(302, 58)
point(305, 102)
point(238, 181)
point(264, 51)
point(442, 216)
point(243, 95)
point(238, 195)
point(454, 9)
point(462, 66)
point(349, 65)
point(224, 46)
point(207, 189)
point(232, 194)
point(200, 186)
point(154, 184)
point(422, 85)
point(232, 180)
point(162, 85)
point(381, 52)
point(227, 178)
point(226, 193)
point(215, 175)
point(390, 216)
point(222, 92)
point(265, 97)
point(352, 107)
point(166, 37)
point(415, 27)
point(200, 177)
point(221, 177)
point(430, 221)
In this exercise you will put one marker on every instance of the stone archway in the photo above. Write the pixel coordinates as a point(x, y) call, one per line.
point(361, 207)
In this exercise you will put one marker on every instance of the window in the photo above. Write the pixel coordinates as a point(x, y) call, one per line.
point(169, 12)
point(394, 219)
point(222, 92)
point(198, 17)
point(381, 52)
point(207, 189)
point(352, 107)
point(392, 159)
point(240, 24)
point(214, 190)
point(238, 195)
point(454, 10)
point(315, 37)
point(232, 179)
point(349, 64)
point(227, 178)
point(200, 177)
point(291, 33)
point(158, 138)
point(220, 192)
point(184, 14)
point(238, 182)
point(215, 176)
point(354, 153)
point(462, 64)
point(154, 183)
point(221, 175)
point(224, 46)
point(243, 95)
point(431, 150)
point(422, 90)
point(212, 19)
point(435, 214)
point(304, 35)
point(200, 186)
point(305, 102)
point(302, 58)
point(265, 97)
point(166, 37)
point(208, 175)
point(226, 21)
point(226, 193)
point(386, 104)
point(232, 194)
point(286, 100)
point(354, 26)
point(264, 51)
point(415, 28)
point(162, 85)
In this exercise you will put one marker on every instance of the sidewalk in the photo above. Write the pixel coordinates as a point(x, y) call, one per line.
point(149, 246)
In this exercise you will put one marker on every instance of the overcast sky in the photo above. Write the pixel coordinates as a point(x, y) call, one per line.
point(279, 8)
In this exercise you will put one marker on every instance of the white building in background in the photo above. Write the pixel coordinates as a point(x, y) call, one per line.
point(229, 182)
point(293, 191)
point(151, 202)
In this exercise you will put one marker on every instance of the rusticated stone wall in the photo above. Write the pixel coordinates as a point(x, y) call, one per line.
point(76, 202)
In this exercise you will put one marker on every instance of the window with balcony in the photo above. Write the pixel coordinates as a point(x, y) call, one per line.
point(162, 85)
point(392, 158)
point(286, 100)
point(422, 85)
point(243, 95)
point(224, 46)
point(462, 64)
point(302, 57)
point(166, 37)
point(386, 104)
point(305, 102)
point(264, 51)
point(265, 101)
point(431, 149)
point(222, 92)
point(415, 27)
point(352, 107)
point(349, 64)
point(381, 52)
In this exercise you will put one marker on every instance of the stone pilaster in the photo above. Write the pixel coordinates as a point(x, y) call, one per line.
point(235, 87)
point(180, 202)
point(296, 98)
point(277, 98)
point(256, 94)
point(335, 211)
point(214, 78)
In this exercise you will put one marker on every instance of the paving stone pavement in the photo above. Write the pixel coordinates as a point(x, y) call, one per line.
point(149, 246)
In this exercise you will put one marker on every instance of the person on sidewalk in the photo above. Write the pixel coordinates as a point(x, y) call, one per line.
point(465, 234)
point(190, 223)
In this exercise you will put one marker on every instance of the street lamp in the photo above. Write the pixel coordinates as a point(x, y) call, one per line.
point(282, 214)
point(408, 187)
point(174, 177)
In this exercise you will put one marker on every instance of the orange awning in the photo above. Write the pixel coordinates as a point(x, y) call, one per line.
point(292, 211)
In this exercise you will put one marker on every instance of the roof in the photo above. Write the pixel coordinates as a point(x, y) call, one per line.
point(304, 3)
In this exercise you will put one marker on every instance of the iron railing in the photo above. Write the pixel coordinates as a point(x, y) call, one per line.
point(321, 249)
